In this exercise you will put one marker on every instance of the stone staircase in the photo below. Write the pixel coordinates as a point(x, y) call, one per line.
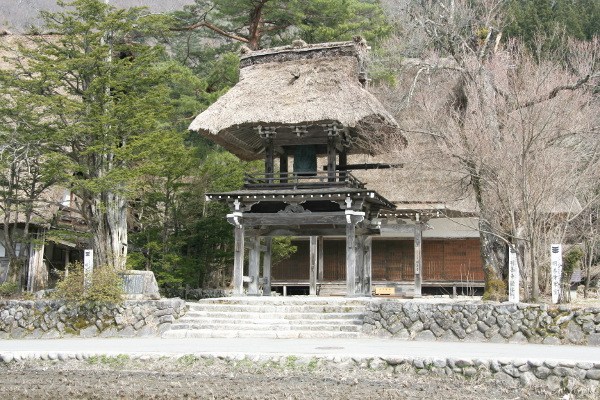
point(271, 317)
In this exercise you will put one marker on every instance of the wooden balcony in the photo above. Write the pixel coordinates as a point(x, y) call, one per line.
point(302, 180)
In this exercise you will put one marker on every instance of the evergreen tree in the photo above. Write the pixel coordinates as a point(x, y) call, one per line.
point(531, 19)
point(99, 97)
point(272, 22)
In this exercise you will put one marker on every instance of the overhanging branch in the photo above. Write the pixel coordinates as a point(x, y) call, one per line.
point(214, 28)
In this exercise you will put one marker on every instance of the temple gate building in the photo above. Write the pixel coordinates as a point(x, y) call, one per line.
point(307, 103)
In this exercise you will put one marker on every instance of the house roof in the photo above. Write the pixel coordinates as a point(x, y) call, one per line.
point(302, 85)
point(416, 186)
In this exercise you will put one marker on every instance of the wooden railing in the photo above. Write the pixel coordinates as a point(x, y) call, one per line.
point(301, 180)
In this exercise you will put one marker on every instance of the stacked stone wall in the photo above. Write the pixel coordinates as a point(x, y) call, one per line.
point(49, 319)
point(557, 376)
point(199, 294)
point(483, 322)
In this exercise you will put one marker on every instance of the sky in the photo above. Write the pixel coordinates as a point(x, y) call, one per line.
point(17, 16)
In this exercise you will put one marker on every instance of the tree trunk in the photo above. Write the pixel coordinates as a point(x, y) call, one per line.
point(493, 252)
point(109, 233)
point(256, 22)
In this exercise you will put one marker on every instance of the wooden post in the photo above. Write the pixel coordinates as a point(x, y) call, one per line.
point(350, 260)
point(267, 266)
point(254, 265)
point(269, 158)
point(418, 258)
point(238, 262)
point(360, 264)
point(313, 266)
point(283, 167)
point(367, 266)
point(343, 161)
point(321, 263)
point(331, 152)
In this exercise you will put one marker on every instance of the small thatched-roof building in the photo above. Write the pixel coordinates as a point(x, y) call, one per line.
point(316, 95)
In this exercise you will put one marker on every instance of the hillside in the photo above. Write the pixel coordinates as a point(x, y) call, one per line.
point(18, 15)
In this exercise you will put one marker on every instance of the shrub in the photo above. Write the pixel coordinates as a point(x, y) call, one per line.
point(494, 289)
point(8, 289)
point(105, 285)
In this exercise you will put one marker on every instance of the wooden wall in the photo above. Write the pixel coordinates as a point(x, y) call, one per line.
point(456, 260)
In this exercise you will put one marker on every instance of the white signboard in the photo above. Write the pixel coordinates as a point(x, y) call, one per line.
point(88, 267)
point(556, 260)
point(514, 279)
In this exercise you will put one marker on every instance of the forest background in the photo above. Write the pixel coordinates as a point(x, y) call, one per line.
point(188, 56)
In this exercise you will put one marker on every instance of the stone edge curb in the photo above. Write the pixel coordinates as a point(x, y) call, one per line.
point(552, 374)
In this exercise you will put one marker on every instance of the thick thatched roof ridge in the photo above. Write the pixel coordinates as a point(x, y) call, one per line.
point(298, 85)
point(300, 50)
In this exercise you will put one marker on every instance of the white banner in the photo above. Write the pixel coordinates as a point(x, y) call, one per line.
point(88, 267)
point(556, 260)
point(514, 279)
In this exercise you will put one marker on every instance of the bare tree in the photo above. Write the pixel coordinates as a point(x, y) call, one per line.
point(519, 129)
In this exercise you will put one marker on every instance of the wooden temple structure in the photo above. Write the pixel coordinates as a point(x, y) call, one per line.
point(298, 103)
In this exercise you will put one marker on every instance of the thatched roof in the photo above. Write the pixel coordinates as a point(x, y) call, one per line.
point(297, 86)
point(416, 186)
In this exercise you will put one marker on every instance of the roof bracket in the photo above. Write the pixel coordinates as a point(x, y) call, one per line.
point(300, 130)
point(333, 130)
point(266, 132)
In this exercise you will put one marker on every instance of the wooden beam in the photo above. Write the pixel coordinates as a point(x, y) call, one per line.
point(253, 265)
point(321, 259)
point(285, 231)
point(333, 218)
point(351, 167)
point(238, 262)
point(267, 257)
point(269, 156)
point(360, 264)
point(331, 153)
point(343, 160)
point(418, 229)
point(313, 266)
point(283, 166)
point(368, 276)
point(398, 228)
point(350, 260)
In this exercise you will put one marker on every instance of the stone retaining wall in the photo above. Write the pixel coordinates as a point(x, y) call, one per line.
point(556, 376)
point(49, 319)
point(199, 294)
point(483, 322)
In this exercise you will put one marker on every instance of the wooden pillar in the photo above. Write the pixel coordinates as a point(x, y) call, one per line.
point(269, 158)
point(283, 167)
point(254, 265)
point(331, 152)
point(267, 266)
point(343, 161)
point(313, 266)
point(367, 266)
point(360, 264)
point(238, 262)
point(321, 262)
point(350, 260)
point(418, 258)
